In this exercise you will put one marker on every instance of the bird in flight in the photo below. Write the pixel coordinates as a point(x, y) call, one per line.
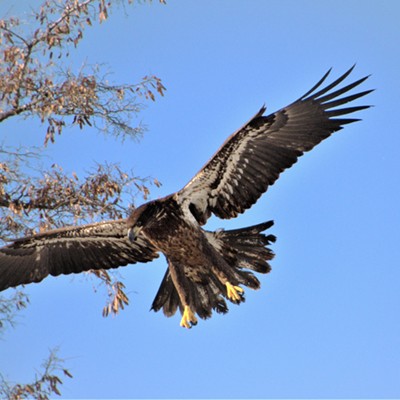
point(205, 268)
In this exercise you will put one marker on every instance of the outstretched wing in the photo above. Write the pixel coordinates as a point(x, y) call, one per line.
point(69, 250)
point(252, 158)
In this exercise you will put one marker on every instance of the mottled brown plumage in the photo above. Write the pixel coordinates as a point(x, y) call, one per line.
point(204, 268)
point(200, 263)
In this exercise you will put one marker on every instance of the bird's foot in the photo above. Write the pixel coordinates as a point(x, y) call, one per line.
point(234, 293)
point(188, 318)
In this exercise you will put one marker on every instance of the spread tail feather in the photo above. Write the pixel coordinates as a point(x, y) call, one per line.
point(243, 249)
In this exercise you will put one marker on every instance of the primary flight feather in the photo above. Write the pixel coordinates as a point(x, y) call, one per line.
point(204, 268)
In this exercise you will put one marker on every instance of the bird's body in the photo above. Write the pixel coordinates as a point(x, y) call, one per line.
point(204, 268)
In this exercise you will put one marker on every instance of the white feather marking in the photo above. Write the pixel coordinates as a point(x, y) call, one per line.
point(213, 239)
point(188, 214)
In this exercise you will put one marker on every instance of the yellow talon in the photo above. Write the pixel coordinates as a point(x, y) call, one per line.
point(188, 318)
point(233, 292)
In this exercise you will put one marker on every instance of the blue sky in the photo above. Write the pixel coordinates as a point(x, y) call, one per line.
point(326, 320)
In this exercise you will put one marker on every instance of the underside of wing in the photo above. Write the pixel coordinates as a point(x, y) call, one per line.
point(252, 158)
point(102, 245)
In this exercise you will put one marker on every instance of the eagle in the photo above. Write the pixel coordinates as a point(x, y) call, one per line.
point(205, 268)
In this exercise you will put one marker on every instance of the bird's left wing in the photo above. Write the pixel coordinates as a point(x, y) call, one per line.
point(69, 250)
point(252, 158)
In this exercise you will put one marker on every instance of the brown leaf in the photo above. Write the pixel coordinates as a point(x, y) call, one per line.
point(67, 373)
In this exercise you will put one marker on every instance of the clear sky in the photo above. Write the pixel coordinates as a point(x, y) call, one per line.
point(326, 320)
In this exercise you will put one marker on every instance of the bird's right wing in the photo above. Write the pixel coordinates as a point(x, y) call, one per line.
point(74, 249)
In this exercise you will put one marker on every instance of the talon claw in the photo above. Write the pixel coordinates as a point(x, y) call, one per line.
point(234, 293)
point(188, 318)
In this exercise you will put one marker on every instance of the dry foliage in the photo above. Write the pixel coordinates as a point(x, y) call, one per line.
point(45, 386)
point(117, 299)
point(33, 83)
point(9, 307)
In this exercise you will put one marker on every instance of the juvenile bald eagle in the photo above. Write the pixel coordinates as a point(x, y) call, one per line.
point(204, 268)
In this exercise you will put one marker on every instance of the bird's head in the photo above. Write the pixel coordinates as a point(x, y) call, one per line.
point(140, 218)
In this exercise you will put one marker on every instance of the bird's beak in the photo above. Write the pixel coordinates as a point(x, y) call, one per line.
point(133, 232)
